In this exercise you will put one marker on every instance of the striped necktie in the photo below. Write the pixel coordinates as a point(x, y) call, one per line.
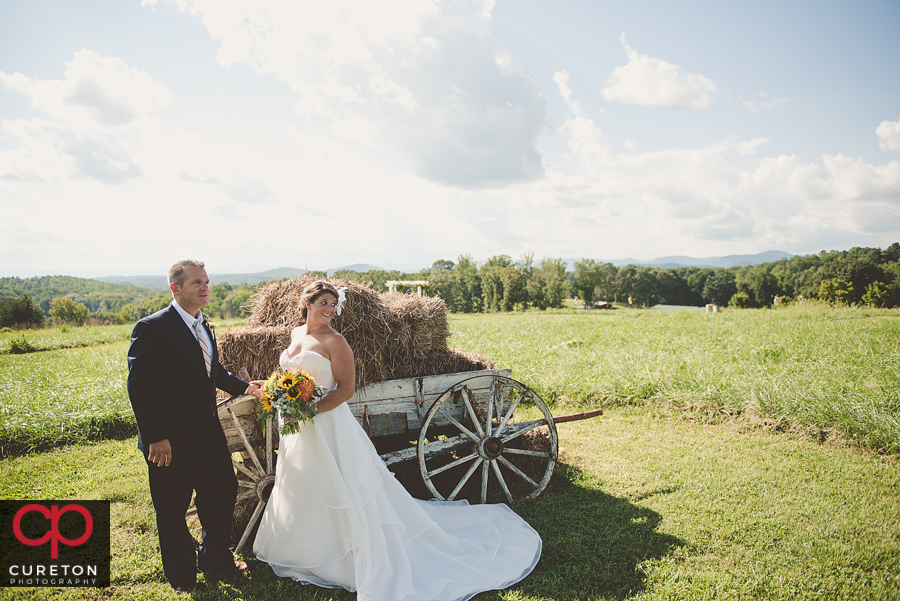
point(207, 356)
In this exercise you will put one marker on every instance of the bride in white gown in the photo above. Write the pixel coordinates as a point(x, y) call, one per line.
point(338, 518)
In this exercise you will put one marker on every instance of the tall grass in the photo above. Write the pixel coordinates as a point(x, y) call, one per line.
point(63, 396)
point(832, 372)
point(66, 337)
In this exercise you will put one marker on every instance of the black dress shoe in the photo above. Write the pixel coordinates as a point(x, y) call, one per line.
point(234, 571)
point(190, 588)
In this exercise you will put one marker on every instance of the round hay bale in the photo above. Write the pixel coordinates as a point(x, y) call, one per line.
point(255, 347)
point(392, 335)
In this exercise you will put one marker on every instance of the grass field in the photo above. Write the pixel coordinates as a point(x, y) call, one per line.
point(742, 455)
point(831, 373)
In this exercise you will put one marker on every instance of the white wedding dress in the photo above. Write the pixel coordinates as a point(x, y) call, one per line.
point(338, 518)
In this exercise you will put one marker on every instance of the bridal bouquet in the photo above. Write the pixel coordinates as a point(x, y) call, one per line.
point(292, 393)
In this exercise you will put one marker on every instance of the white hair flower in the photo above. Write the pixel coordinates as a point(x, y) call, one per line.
point(342, 296)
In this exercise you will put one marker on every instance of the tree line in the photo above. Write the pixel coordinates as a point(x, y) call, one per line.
point(35, 302)
point(859, 276)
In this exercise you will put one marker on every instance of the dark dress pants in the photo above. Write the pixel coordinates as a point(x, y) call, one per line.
point(212, 476)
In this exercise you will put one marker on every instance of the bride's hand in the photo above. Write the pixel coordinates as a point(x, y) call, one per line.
point(256, 388)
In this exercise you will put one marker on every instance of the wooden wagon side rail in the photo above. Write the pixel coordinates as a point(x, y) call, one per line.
point(399, 406)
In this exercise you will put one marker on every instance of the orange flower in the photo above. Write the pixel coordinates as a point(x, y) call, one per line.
point(307, 388)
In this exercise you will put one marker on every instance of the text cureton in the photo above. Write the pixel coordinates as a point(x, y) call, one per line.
point(52, 570)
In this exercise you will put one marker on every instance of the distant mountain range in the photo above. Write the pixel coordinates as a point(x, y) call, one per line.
point(159, 281)
point(709, 262)
point(279, 273)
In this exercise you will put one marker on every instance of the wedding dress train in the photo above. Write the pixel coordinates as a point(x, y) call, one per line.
point(337, 517)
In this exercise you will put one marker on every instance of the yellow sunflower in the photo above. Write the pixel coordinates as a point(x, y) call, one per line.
point(266, 403)
point(287, 381)
point(293, 392)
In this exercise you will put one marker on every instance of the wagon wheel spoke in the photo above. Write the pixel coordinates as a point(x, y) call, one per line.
point(246, 441)
point(517, 471)
point(458, 425)
point(269, 458)
point(465, 479)
point(500, 479)
point(253, 518)
point(520, 431)
point(527, 452)
point(490, 407)
point(453, 464)
point(484, 481)
point(246, 495)
point(240, 467)
point(509, 412)
point(469, 401)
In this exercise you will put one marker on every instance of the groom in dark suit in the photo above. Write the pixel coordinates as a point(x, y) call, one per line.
point(173, 373)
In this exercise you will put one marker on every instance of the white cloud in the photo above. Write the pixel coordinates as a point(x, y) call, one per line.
point(415, 75)
point(762, 103)
point(96, 91)
point(888, 133)
point(648, 81)
point(93, 114)
point(561, 79)
point(751, 146)
point(699, 197)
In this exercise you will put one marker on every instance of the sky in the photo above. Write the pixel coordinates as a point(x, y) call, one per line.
point(255, 134)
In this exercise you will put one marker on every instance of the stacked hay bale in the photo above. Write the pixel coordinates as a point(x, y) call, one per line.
point(393, 335)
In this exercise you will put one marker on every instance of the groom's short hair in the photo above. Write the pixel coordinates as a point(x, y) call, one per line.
point(176, 271)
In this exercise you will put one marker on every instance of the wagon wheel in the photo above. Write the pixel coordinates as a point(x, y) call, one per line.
point(256, 480)
point(483, 438)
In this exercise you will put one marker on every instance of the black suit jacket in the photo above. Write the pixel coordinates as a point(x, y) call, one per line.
point(171, 394)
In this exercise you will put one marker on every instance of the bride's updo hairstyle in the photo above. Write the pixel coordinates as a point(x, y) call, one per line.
point(314, 291)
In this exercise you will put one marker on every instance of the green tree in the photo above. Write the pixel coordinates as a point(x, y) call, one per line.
point(443, 265)
point(759, 284)
point(22, 310)
point(606, 283)
point(625, 280)
point(65, 310)
point(514, 291)
point(836, 291)
point(877, 295)
point(548, 284)
point(719, 286)
point(470, 282)
point(740, 300)
point(588, 278)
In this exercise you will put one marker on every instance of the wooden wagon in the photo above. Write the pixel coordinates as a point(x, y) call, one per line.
point(459, 428)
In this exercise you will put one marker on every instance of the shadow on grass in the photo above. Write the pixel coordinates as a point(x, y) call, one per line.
point(593, 546)
point(17, 444)
point(594, 543)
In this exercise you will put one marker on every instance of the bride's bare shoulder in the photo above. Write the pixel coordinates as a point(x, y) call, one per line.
point(337, 341)
point(298, 331)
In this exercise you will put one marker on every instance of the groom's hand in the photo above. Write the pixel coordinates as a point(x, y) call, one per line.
point(160, 453)
point(255, 388)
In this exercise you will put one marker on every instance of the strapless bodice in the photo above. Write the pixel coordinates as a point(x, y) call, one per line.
point(316, 365)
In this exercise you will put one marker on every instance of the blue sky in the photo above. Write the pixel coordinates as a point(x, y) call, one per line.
point(255, 134)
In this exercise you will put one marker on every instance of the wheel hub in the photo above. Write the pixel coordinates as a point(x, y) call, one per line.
point(264, 487)
point(490, 447)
